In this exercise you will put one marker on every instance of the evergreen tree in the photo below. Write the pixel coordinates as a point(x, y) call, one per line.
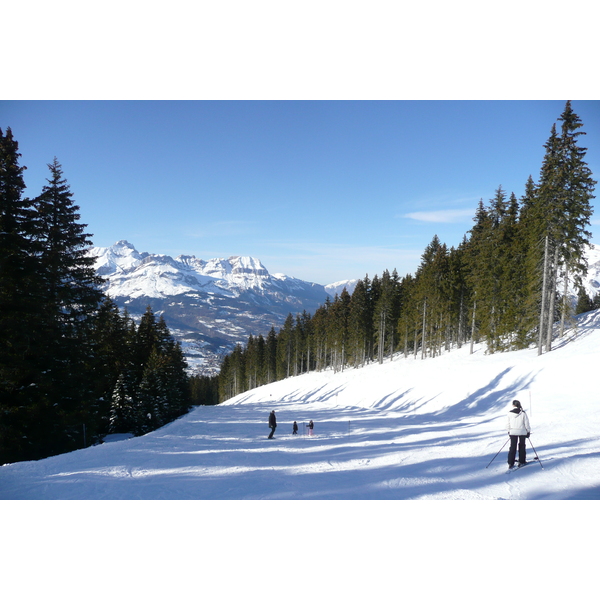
point(271, 356)
point(123, 416)
point(432, 297)
point(408, 322)
point(176, 380)
point(338, 329)
point(285, 348)
point(359, 324)
point(70, 280)
point(306, 324)
point(489, 256)
point(385, 314)
point(204, 389)
point(560, 214)
point(460, 293)
point(321, 335)
point(252, 363)
point(69, 303)
point(584, 303)
point(153, 401)
point(149, 336)
point(511, 258)
point(20, 325)
point(113, 337)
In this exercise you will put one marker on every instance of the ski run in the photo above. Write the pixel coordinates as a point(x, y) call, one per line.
point(408, 429)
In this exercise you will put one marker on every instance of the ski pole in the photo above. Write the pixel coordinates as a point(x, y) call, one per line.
point(536, 455)
point(491, 461)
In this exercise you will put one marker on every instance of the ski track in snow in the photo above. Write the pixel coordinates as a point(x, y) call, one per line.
point(405, 430)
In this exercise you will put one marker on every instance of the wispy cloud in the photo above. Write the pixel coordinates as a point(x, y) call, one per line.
point(441, 216)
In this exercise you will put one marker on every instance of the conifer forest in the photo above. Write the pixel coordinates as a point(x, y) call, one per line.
point(504, 285)
point(74, 367)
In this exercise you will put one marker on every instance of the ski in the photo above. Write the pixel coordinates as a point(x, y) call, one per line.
point(517, 467)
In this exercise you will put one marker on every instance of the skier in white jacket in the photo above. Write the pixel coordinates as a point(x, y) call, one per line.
point(518, 430)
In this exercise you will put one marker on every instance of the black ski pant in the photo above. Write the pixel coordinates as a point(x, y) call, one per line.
point(273, 428)
point(512, 452)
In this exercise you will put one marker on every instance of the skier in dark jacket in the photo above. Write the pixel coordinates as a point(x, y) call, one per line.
point(311, 426)
point(295, 428)
point(518, 430)
point(272, 424)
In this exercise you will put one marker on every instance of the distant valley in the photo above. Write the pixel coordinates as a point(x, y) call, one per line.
point(209, 306)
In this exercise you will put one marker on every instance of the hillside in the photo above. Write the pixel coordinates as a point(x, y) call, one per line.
point(407, 429)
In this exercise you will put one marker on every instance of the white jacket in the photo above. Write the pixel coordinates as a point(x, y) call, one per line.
point(518, 423)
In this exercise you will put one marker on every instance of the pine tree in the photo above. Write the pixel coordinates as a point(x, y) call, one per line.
point(70, 280)
point(584, 303)
point(113, 337)
point(385, 316)
point(69, 302)
point(359, 324)
point(558, 217)
point(511, 273)
point(153, 401)
point(20, 290)
point(285, 348)
point(252, 363)
point(338, 329)
point(321, 333)
point(271, 356)
point(489, 254)
point(408, 322)
point(176, 380)
point(123, 417)
point(578, 191)
point(147, 338)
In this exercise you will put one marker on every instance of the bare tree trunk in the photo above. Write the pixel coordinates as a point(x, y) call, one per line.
point(473, 326)
point(415, 343)
point(459, 340)
point(543, 307)
point(563, 314)
point(380, 349)
point(552, 291)
point(424, 323)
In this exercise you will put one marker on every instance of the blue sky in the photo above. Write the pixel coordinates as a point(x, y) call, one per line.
point(320, 190)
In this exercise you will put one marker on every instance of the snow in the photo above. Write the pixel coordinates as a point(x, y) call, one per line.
point(338, 287)
point(408, 429)
point(133, 274)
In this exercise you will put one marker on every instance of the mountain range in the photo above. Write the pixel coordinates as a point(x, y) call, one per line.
point(209, 306)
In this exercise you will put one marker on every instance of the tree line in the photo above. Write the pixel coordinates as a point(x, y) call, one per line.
point(504, 285)
point(73, 368)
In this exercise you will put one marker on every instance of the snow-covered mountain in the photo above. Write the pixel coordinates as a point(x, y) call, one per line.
point(338, 287)
point(208, 305)
point(133, 274)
